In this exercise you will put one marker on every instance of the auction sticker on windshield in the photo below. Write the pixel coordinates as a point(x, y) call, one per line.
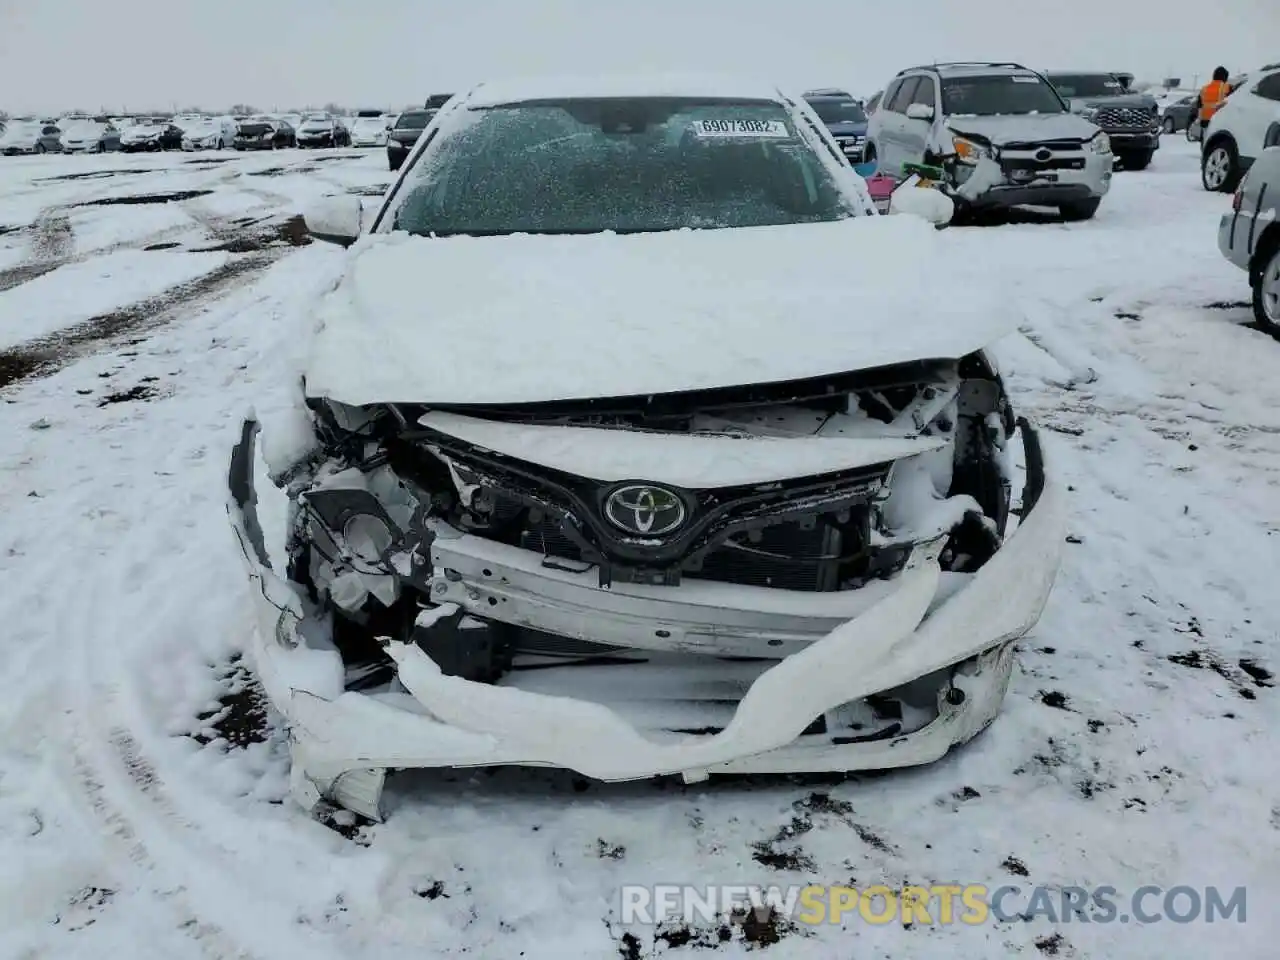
point(772, 129)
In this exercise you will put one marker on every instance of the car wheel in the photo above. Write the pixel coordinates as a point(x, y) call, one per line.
point(1266, 291)
point(1168, 126)
point(1080, 210)
point(1220, 167)
point(1139, 160)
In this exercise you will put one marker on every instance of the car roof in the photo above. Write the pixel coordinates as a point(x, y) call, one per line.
point(568, 88)
point(971, 69)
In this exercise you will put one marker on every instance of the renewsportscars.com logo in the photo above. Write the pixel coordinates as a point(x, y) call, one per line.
point(968, 904)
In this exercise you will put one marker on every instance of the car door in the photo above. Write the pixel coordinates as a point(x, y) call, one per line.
point(1259, 108)
point(895, 126)
point(917, 134)
point(876, 127)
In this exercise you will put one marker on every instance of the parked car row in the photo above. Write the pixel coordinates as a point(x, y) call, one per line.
point(408, 128)
point(192, 132)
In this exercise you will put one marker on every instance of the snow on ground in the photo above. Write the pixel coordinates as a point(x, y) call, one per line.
point(1136, 746)
point(76, 292)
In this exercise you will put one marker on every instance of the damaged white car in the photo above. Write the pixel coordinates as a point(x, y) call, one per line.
point(638, 443)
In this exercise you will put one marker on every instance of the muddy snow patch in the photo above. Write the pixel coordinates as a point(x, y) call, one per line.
point(76, 292)
point(284, 233)
point(145, 198)
point(240, 715)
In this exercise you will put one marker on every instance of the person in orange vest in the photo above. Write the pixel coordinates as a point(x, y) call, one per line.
point(1213, 95)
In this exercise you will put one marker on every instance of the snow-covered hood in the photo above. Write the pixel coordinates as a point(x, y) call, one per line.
point(524, 319)
point(82, 134)
point(19, 136)
point(140, 132)
point(202, 132)
point(1024, 128)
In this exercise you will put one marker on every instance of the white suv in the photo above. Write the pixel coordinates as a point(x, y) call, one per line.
point(1001, 133)
point(1237, 133)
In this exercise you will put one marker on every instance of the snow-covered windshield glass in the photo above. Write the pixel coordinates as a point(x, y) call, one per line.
point(309, 126)
point(626, 165)
point(1087, 85)
point(830, 110)
point(999, 94)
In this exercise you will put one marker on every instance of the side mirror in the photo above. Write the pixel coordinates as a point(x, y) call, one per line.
point(335, 220)
point(919, 111)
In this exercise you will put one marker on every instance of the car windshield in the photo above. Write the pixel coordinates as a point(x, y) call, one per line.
point(83, 128)
point(370, 123)
point(1087, 85)
point(317, 124)
point(986, 96)
point(414, 120)
point(626, 165)
point(254, 129)
point(830, 110)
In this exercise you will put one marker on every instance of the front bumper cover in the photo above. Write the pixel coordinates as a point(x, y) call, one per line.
point(343, 742)
point(987, 184)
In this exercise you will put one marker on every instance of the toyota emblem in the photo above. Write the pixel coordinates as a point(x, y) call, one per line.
point(644, 510)
point(1042, 154)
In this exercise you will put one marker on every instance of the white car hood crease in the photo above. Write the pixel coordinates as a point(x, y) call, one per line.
point(525, 319)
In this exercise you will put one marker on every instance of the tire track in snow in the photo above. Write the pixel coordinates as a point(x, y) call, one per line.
point(41, 357)
point(49, 245)
point(162, 851)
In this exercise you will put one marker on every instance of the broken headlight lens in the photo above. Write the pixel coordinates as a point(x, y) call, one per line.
point(366, 538)
point(967, 151)
point(351, 526)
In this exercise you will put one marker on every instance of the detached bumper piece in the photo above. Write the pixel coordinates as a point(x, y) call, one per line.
point(893, 674)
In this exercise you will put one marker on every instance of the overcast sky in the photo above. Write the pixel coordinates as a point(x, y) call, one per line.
point(153, 54)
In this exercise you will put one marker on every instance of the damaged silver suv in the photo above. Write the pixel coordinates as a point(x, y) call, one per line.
point(679, 469)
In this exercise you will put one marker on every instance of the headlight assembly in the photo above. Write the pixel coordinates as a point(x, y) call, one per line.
point(967, 151)
point(1101, 143)
point(351, 528)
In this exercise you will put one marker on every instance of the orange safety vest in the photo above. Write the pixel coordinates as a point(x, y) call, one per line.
point(1212, 95)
